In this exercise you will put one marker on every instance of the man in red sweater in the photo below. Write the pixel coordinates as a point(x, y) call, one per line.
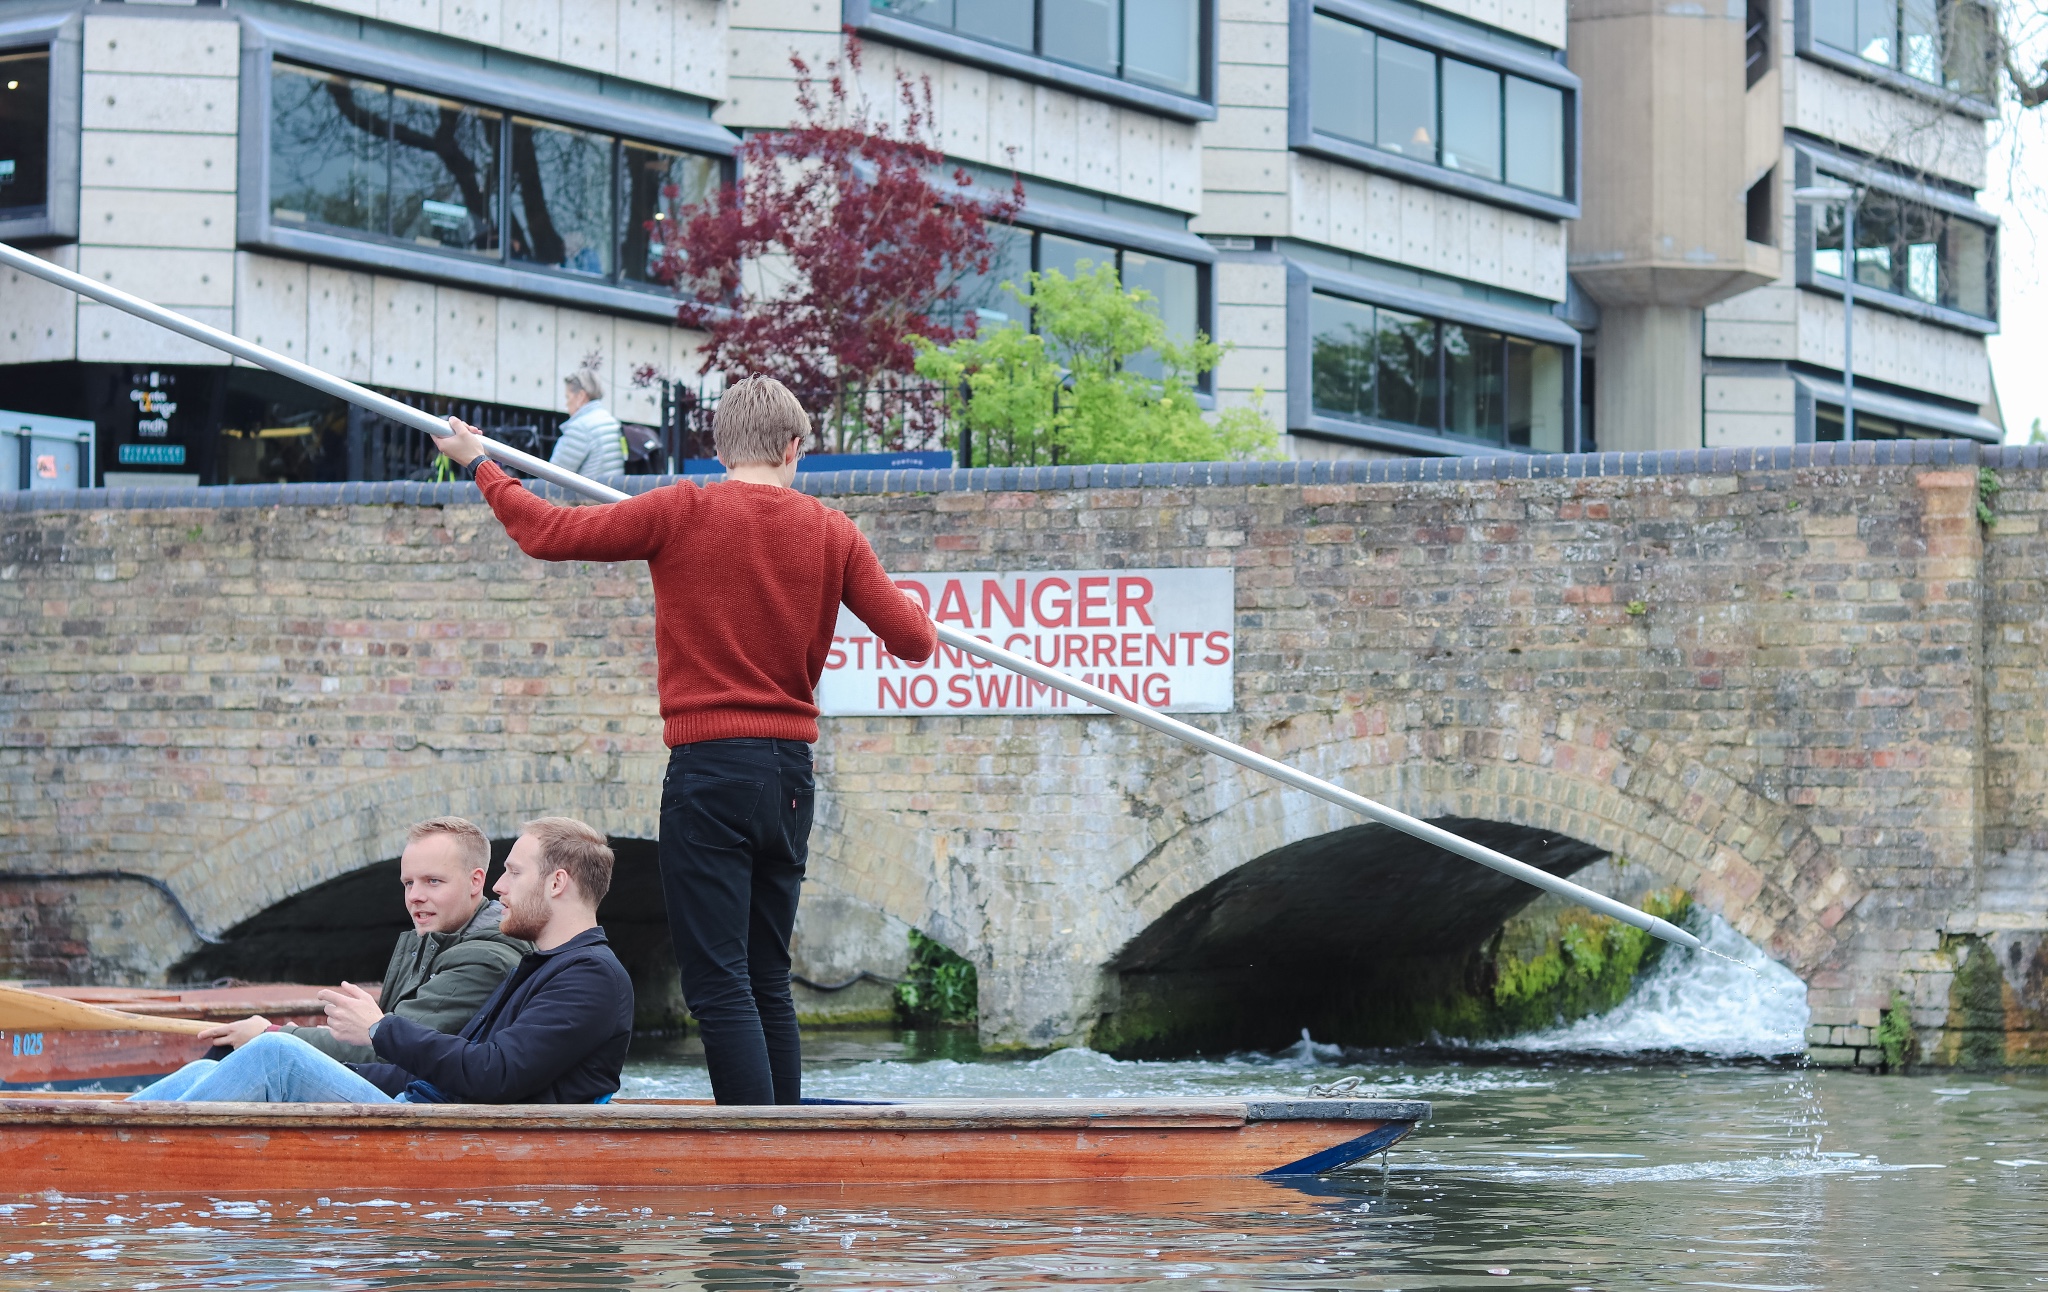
point(748, 577)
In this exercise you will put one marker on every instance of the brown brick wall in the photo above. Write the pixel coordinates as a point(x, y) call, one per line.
point(1809, 692)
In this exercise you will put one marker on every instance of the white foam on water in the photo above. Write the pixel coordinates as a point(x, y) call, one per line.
point(1699, 1004)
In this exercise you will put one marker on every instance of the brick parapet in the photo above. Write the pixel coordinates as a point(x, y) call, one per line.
point(1801, 683)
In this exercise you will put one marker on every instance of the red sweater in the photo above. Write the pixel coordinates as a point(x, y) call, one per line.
point(747, 584)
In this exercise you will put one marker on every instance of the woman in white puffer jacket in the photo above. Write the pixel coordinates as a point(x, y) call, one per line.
point(592, 444)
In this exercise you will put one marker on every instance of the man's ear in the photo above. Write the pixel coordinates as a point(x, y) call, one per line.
point(476, 882)
point(795, 449)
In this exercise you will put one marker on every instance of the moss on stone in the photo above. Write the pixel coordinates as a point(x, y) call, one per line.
point(1553, 964)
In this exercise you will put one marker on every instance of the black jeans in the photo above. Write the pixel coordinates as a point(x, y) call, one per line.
point(735, 832)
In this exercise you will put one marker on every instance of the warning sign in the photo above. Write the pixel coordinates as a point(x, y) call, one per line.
point(1164, 638)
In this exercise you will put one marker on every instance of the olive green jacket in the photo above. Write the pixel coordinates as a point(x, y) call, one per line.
point(439, 980)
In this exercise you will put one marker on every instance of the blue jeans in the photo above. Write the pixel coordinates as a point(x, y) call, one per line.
point(275, 1068)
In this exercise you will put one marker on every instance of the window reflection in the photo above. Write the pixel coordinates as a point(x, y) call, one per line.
point(1472, 119)
point(561, 197)
point(1950, 43)
point(1175, 285)
point(444, 172)
point(1370, 88)
point(368, 158)
point(1152, 42)
point(24, 131)
point(1340, 79)
point(1912, 250)
point(1535, 143)
point(330, 146)
point(1405, 98)
point(659, 183)
point(1374, 364)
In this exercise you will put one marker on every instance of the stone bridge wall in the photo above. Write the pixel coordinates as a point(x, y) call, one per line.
point(1806, 685)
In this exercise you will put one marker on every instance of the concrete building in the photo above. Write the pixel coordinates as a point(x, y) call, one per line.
point(1372, 201)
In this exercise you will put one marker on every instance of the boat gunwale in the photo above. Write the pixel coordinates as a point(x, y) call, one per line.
point(912, 1115)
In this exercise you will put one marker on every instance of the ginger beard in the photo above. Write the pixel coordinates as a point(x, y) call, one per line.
point(526, 913)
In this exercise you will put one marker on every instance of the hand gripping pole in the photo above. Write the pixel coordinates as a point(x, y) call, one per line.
point(1290, 776)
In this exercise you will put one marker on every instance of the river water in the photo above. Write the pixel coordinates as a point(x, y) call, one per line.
point(1570, 1161)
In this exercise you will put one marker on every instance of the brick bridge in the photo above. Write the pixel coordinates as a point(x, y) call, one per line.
point(1806, 685)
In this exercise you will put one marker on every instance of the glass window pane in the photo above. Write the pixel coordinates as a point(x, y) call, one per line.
point(1877, 29)
point(659, 184)
point(1175, 299)
point(939, 13)
point(1406, 99)
point(1007, 22)
point(1878, 247)
point(25, 130)
point(561, 197)
point(330, 150)
point(1080, 31)
point(1969, 267)
point(1405, 375)
point(1969, 48)
point(1340, 79)
point(1161, 41)
point(1071, 256)
point(982, 299)
point(1471, 119)
point(1827, 241)
point(444, 173)
point(1536, 396)
point(1920, 40)
point(1475, 382)
point(1834, 23)
point(1920, 252)
point(1341, 362)
point(1535, 136)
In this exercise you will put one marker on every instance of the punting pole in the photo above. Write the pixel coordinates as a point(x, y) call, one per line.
point(526, 462)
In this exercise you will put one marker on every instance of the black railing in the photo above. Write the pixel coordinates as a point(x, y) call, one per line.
point(901, 417)
point(380, 449)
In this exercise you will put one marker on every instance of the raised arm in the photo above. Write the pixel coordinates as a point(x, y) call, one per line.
point(897, 620)
point(613, 531)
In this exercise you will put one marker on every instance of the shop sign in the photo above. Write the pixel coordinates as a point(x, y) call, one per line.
point(150, 392)
point(1163, 638)
point(152, 455)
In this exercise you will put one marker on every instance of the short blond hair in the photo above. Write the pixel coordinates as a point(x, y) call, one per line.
point(757, 418)
point(568, 844)
point(476, 849)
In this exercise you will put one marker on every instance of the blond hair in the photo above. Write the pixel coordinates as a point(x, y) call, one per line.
point(568, 844)
point(757, 418)
point(475, 848)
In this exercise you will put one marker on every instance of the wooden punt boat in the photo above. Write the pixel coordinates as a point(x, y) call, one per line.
point(80, 1144)
point(121, 1060)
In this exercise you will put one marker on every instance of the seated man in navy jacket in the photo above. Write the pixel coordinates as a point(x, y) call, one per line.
point(554, 1032)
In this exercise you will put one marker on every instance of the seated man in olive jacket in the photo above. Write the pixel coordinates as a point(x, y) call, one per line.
point(449, 964)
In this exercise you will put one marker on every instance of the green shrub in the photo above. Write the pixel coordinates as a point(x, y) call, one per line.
point(941, 986)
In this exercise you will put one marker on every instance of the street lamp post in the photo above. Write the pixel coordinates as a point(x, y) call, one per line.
point(1844, 197)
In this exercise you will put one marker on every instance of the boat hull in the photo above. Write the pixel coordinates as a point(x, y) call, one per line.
point(122, 1060)
point(85, 1145)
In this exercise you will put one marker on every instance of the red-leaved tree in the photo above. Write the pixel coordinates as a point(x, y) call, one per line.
point(843, 238)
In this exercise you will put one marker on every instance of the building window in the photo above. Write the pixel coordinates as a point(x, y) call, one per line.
point(1373, 364)
point(1948, 43)
point(361, 157)
point(24, 133)
point(1148, 42)
point(1915, 251)
point(1373, 89)
point(1175, 285)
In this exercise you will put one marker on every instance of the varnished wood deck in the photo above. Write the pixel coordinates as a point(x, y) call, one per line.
point(86, 1144)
